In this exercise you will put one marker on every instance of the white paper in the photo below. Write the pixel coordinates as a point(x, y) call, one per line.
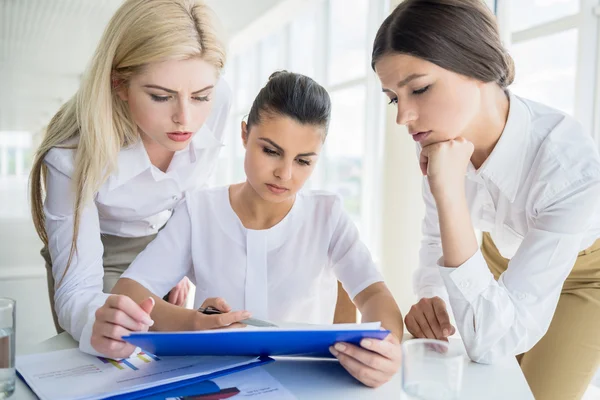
point(289, 326)
point(255, 383)
point(71, 374)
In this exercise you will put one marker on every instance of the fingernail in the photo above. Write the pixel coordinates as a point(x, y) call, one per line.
point(153, 302)
point(366, 343)
point(333, 351)
point(340, 347)
point(148, 321)
point(246, 315)
point(445, 332)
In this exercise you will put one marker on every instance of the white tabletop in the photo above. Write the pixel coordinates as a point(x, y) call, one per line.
point(326, 379)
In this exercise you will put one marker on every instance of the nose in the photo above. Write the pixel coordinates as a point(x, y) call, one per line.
point(406, 114)
point(181, 115)
point(284, 170)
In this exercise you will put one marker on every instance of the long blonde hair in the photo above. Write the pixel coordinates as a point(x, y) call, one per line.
point(140, 32)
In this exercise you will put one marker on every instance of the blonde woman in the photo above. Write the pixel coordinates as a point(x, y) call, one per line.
point(145, 126)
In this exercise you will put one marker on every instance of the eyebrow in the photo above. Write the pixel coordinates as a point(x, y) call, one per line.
point(405, 81)
point(174, 91)
point(272, 143)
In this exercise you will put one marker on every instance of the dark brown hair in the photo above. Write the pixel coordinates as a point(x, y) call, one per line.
point(457, 35)
point(295, 96)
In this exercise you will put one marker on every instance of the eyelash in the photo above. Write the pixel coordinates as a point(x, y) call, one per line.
point(421, 91)
point(273, 153)
point(162, 99)
point(415, 92)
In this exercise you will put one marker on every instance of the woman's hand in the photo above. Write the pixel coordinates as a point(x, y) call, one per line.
point(374, 363)
point(429, 319)
point(118, 317)
point(445, 164)
point(228, 319)
point(179, 293)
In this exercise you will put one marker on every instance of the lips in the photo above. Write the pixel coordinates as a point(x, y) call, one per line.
point(419, 136)
point(179, 136)
point(276, 189)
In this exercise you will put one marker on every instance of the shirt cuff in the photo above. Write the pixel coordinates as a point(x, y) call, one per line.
point(85, 343)
point(468, 280)
point(85, 340)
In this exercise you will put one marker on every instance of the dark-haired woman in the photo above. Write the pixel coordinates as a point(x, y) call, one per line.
point(265, 246)
point(526, 175)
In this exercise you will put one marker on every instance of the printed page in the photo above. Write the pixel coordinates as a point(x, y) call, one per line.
point(255, 383)
point(71, 374)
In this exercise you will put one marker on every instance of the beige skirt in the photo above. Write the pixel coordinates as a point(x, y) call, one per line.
point(119, 253)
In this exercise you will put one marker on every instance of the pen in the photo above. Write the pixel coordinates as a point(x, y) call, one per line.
point(210, 310)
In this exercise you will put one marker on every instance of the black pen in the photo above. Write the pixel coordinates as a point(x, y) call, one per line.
point(210, 310)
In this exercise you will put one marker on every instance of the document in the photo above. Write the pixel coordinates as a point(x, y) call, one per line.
point(253, 384)
point(73, 375)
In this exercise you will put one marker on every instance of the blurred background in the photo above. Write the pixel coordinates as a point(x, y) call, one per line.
point(46, 44)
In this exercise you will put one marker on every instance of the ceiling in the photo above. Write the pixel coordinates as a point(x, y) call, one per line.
point(46, 44)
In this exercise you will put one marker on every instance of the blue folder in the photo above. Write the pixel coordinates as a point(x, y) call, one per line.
point(304, 343)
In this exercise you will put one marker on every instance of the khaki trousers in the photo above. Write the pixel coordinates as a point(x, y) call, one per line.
point(561, 365)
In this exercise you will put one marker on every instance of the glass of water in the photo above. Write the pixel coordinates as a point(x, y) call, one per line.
point(7, 347)
point(431, 369)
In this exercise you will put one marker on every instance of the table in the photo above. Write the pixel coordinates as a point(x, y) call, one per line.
point(326, 379)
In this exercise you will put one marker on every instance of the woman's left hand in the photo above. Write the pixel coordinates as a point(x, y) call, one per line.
point(179, 293)
point(445, 164)
point(374, 363)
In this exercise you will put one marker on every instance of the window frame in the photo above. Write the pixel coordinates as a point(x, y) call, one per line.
point(587, 76)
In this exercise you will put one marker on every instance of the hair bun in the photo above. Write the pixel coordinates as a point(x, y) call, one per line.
point(277, 73)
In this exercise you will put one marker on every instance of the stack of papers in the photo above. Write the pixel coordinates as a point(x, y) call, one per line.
point(290, 340)
point(73, 375)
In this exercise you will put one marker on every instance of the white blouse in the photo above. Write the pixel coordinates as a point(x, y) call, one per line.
point(135, 201)
point(538, 194)
point(287, 273)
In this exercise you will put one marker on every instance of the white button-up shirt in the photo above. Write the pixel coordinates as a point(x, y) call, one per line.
point(287, 273)
point(538, 195)
point(135, 201)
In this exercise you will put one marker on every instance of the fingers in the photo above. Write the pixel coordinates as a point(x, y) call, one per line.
point(424, 325)
point(112, 348)
point(173, 296)
point(432, 320)
point(378, 350)
point(147, 305)
point(180, 298)
point(391, 338)
point(221, 320)
point(442, 317)
point(218, 303)
point(236, 325)
point(129, 307)
point(360, 371)
point(112, 331)
point(429, 319)
point(413, 327)
point(114, 316)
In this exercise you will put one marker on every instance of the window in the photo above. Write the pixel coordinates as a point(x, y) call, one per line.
point(16, 154)
point(328, 40)
point(554, 44)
